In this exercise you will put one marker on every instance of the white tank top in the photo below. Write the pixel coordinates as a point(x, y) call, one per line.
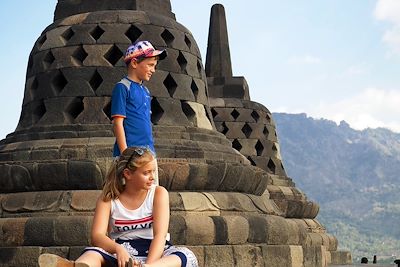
point(129, 224)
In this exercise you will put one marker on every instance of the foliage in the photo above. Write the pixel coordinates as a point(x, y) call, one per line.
point(353, 175)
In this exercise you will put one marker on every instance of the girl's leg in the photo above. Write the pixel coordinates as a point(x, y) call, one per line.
point(91, 258)
point(166, 261)
point(52, 260)
point(87, 259)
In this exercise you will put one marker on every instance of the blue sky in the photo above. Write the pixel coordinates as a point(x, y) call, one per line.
point(335, 59)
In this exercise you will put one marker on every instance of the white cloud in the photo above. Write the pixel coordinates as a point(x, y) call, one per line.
point(389, 10)
point(357, 70)
point(307, 59)
point(371, 108)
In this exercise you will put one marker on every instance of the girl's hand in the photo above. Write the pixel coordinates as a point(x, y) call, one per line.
point(122, 255)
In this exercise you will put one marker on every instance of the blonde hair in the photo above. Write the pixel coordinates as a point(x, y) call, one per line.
point(132, 158)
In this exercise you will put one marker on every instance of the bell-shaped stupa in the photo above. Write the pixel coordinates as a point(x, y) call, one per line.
point(231, 200)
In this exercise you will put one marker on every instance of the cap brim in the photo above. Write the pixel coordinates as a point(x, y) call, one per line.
point(160, 53)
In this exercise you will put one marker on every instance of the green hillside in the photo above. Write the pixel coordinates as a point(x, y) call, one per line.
point(353, 175)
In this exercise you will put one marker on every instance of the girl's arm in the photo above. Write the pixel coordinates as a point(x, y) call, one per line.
point(99, 232)
point(119, 132)
point(160, 224)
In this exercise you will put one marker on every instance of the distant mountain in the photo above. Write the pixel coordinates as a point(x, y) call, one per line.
point(353, 175)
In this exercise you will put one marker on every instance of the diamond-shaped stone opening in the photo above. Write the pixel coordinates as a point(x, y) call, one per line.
point(235, 114)
point(133, 33)
point(268, 118)
point(255, 115)
point(224, 129)
point(251, 161)
point(188, 111)
point(107, 110)
point(38, 112)
point(59, 82)
point(188, 42)
point(266, 132)
point(96, 80)
point(195, 89)
point(156, 111)
point(259, 148)
point(75, 108)
point(271, 166)
point(67, 34)
point(113, 55)
point(246, 129)
point(79, 56)
point(236, 145)
point(274, 148)
point(34, 85)
point(214, 112)
point(182, 62)
point(170, 84)
point(199, 67)
point(208, 114)
point(96, 32)
point(48, 60)
point(42, 39)
point(168, 37)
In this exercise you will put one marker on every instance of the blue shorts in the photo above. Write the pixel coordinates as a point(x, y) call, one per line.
point(139, 249)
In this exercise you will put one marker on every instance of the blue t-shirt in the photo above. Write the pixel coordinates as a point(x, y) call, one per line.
point(132, 101)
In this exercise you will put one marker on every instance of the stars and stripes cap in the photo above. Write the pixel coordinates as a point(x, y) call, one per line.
point(143, 49)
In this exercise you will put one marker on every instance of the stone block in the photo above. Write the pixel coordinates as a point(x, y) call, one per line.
point(198, 176)
point(178, 229)
point(198, 115)
point(257, 230)
point(183, 89)
point(237, 229)
point(19, 256)
point(199, 252)
point(169, 111)
point(39, 231)
point(315, 256)
point(340, 257)
point(198, 202)
point(15, 177)
point(216, 172)
point(176, 202)
point(217, 103)
point(277, 230)
point(85, 200)
point(248, 255)
point(283, 255)
point(296, 233)
point(174, 175)
point(217, 256)
point(72, 230)
point(154, 85)
point(200, 230)
point(12, 231)
point(221, 230)
point(84, 174)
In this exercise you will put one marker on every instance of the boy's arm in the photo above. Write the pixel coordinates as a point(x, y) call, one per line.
point(119, 132)
point(160, 224)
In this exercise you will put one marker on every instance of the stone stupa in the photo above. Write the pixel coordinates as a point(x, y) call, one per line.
point(231, 200)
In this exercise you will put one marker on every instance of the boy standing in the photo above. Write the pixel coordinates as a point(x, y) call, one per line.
point(131, 100)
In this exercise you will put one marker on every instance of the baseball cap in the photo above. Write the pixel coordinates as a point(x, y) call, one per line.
point(143, 49)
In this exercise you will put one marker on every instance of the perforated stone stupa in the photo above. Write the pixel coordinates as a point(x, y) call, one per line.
point(231, 200)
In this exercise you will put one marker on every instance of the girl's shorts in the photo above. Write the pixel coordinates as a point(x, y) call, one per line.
point(139, 249)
